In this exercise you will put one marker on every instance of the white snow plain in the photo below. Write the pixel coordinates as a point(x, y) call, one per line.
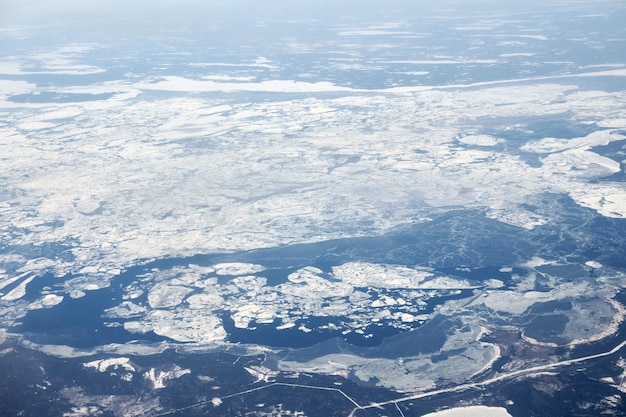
point(271, 173)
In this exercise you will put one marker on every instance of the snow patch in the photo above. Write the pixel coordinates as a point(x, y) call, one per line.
point(473, 411)
point(103, 365)
point(159, 377)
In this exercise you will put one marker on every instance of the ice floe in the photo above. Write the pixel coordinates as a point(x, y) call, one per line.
point(19, 291)
point(47, 301)
point(479, 140)
point(237, 268)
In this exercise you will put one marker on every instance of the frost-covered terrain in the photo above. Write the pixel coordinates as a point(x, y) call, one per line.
point(405, 198)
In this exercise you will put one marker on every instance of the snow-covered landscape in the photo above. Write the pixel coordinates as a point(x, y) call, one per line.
point(408, 199)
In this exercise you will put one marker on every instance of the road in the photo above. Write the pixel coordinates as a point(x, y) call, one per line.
point(482, 384)
point(462, 387)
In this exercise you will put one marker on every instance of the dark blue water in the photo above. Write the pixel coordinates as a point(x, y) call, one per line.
point(442, 244)
point(78, 322)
